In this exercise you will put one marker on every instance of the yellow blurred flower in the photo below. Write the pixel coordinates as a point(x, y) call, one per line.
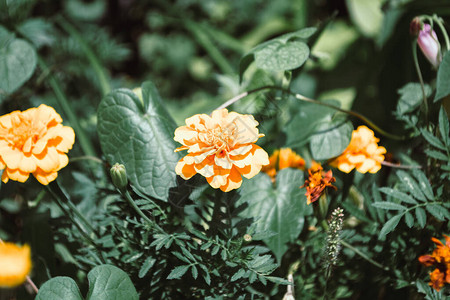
point(15, 264)
point(281, 159)
point(34, 142)
point(221, 148)
point(363, 153)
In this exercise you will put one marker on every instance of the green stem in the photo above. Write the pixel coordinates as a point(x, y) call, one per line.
point(376, 264)
point(306, 99)
point(130, 200)
point(85, 143)
point(90, 55)
point(419, 74)
point(444, 32)
point(90, 158)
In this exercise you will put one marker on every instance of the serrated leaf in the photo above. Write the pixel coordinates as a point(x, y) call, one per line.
point(59, 288)
point(237, 275)
point(398, 195)
point(108, 282)
point(389, 226)
point(443, 78)
point(411, 96)
point(278, 280)
point(181, 257)
point(281, 209)
point(435, 211)
point(330, 140)
point(436, 154)
point(409, 220)
point(215, 250)
point(444, 125)
point(146, 266)
point(18, 61)
point(432, 139)
point(140, 139)
point(262, 279)
point(194, 272)
point(424, 184)
point(414, 188)
point(421, 216)
point(178, 272)
point(388, 205)
point(187, 254)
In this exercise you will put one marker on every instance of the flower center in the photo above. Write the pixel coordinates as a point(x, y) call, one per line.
point(25, 132)
point(222, 139)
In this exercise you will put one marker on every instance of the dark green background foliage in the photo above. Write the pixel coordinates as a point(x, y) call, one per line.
point(183, 239)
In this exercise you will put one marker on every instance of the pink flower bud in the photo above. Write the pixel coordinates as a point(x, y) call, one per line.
point(429, 44)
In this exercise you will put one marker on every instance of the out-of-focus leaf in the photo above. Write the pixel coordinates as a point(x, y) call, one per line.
point(85, 11)
point(38, 31)
point(444, 126)
point(443, 78)
point(390, 225)
point(367, 15)
point(139, 138)
point(331, 140)
point(411, 96)
point(281, 209)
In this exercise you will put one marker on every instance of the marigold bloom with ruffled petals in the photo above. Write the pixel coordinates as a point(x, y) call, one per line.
point(281, 159)
point(440, 258)
point(317, 181)
point(363, 153)
point(34, 142)
point(221, 148)
point(15, 264)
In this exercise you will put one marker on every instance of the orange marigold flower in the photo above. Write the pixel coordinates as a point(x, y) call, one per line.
point(281, 159)
point(440, 258)
point(363, 153)
point(34, 141)
point(221, 148)
point(317, 182)
point(15, 264)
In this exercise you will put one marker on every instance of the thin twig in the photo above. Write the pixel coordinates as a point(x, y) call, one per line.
point(398, 166)
point(376, 264)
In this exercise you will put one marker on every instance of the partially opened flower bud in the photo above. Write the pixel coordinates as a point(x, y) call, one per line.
point(119, 176)
point(429, 44)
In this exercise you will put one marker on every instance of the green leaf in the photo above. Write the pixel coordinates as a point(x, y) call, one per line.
point(17, 62)
point(409, 220)
point(139, 138)
point(146, 266)
point(194, 272)
point(435, 211)
point(238, 275)
point(108, 282)
point(366, 15)
point(331, 140)
point(398, 195)
point(178, 272)
point(432, 139)
point(39, 31)
point(410, 183)
point(424, 184)
point(280, 210)
point(444, 126)
point(410, 97)
point(278, 280)
point(436, 154)
point(390, 225)
point(279, 57)
point(443, 78)
point(389, 205)
point(59, 288)
point(421, 216)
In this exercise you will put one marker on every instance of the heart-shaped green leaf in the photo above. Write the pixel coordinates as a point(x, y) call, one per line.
point(59, 288)
point(107, 282)
point(331, 139)
point(279, 57)
point(139, 134)
point(17, 62)
point(281, 210)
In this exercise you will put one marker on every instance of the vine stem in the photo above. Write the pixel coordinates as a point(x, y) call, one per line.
point(310, 100)
point(28, 279)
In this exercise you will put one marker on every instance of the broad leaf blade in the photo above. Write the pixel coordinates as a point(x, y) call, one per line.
point(443, 78)
point(59, 288)
point(140, 139)
point(331, 140)
point(108, 282)
point(390, 225)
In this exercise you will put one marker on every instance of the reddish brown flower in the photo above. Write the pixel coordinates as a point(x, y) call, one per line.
point(317, 182)
point(440, 258)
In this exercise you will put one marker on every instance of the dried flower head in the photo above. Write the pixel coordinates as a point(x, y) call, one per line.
point(34, 142)
point(317, 181)
point(221, 148)
point(363, 153)
point(440, 258)
point(281, 159)
point(15, 264)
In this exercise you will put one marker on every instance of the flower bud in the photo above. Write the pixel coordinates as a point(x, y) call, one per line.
point(415, 26)
point(119, 176)
point(429, 44)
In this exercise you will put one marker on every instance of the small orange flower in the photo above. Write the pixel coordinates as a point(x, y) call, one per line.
point(34, 141)
point(440, 258)
point(363, 153)
point(15, 264)
point(281, 159)
point(317, 182)
point(221, 148)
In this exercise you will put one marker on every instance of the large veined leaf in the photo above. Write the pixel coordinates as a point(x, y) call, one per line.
point(17, 62)
point(139, 134)
point(281, 210)
point(411, 96)
point(443, 78)
point(331, 139)
point(106, 282)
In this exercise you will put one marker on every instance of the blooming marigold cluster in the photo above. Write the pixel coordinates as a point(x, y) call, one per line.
point(440, 258)
point(221, 148)
point(363, 153)
point(15, 264)
point(281, 159)
point(34, 142)
point(317, 182)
